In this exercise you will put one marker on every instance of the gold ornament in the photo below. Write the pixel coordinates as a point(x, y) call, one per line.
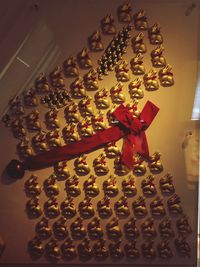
point(39, 142)
point(121, 207)
point(29, 98)
point(83, 59)
point(111, 118)
point(130, 229)
point(101, 99)
point(131, 251)
point(112, 150)
point(98, 122)
point(100, 251)
point(18, 129)
point(164, 250)
point(32, 187)
point(140, 21)
point(120, 168)
point(124, 12)
point(110, 186)
point(155, 165)
point(104, 208)
point(70, 133)
point(166, 184)
point(85, 107)
point(77, 88)
point(50, 186)
point(68, 208)
point(122, 71)
point(148, 250)
point(113, 230)
point(78, 231)
point(85, 127)
point(165, 228)
point(135, 90)
point(139, 207)
point(84, 250)
point(70, 67)
point(90, 187)
point(72, 113)
point(24, 149)
point(128, 186)
point(157, 59)
point(41, 84)
point(68, 250)
point(56, 78)
point(182, 247)
point(115, 250)
point(100, 166)
point(173, 204)
point(137, 66)
point(183, 225)
point(51, 208)
point(148, 228)
point(116, 94)
point(81, 166)
point(148, 186)
point(86, 209)
point(53, 138)
point(51, 118)
point(42, 229)
point(95, 231)
point(91, 80)
point(60, 228)
point(35, 248)
point(107, 25)
point(157, 207)
point(155, 37)
point(33, 208)
point(150, 80)
point(166, 76)
point(61, 170)
point(52, 250)
point(138, 43)
point(32, 121)
point(15, 107)
point(72, 186)
point(95, 43)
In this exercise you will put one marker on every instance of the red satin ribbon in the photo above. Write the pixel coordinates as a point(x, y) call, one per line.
point(131, 128)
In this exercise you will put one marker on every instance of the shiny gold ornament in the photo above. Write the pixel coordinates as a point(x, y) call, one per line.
point(135, 90)
point(121, 207)
point(85, 127)
point(68, 208)
point(70, 133)
point(18, 129)
point(120, 168)
point(148, 250)
point(32, 121)
point(85, 107)
point(50, 186)
point(157, 59)
point(86, 209)
point(166, 76)
point(138, 43)
point(131, 251)
point(77, 88)
point(116, 93)
point(35, 248)
point(164, 250)
point(51, 208)
point(183, 225)
point(32, 187)
point(137, 66)
point(155, 165)
point(157, 207)
point(41, 84)
point(139, 207)
point(165, 228)
point(33, 208)
point(173, 204)
point(61, 170)
point(24, 149)
point(51, 118)
point(104, 208)
point(100, 251)
point(110, 186)
point(100, 166)
point(102, 99)
point(95, 43)
point(113, 230)
point(155, 37)
point(115, 250)
point(140, 21)
point(90, 187)
point(84, 250)
point(95, 231)
point(150, 80)
point(68, 250)
point(53, 138)
point(60, 228)
point(112, 150)
point(128, 186)
point(29, 98)
point(83, 59)
point(91, 80)
point(182, 247)
point(98, 122)
point(15, 107)
point(71, 113)
point(72, 186)
point(39, 142)
point(124, 12)
point(148, 186)
point(111, 118)
point(130, 229)
point(78, 231)
point(107, 25)
point(166, 184)
point(139, 169)
point(122, 71)
point(148, 228)
point(70, 67)
point(52, 250)
point(56, 77)
point(42, 229)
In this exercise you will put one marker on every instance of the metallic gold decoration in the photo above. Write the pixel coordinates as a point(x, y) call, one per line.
point(148, 228)
point(157, 207)
point(128, 186)
point(18, 129)
point(122, 71)
point(139, 169)
point(61, 170)
point(100, 251)
point(150, 80)
point(94, 229)
point(155, 36)
point(98, 122)
point(15, 107)
point(72, 186)
point(155, 165)
point(53, 138)
point(148, 250)
point(91, 80)
point(164, 250)
point(77, 88)
point(183, 225)
point(166, 76)
point(78, 231)
point(70, 67)
point(120, 169)
point(100, 166)
point(83, 59)
point(68, 208)
point(101, 99)
point(157, 58)
point(111, 150)
point(165, 228)
point(85, 127)
point(24, 149)
point(135, 89)
point(148, 186)
point(33, 208)
point(115, 250)
point(116, 93)
point(131, 251)
point(35, 248)
point(139, 207)
point(113, 229)
point(107, 25)
point(124, 12)
point(84, 250)
point(166, 184)
point(68, 250)
point(90, 187)
point(173, 204)
point(111, 118)
point(85, 107)
point(56, 98)
point(39, 142)
point(130, 229)
point(95, 43)
point(121, 207)
point(50, 186)
point(51, 208)
point(52, 250)
point(42, 229)
point(70, 133)
point(104, 208)
point(56, 78)
point(182, 247)
point(51, 118)
point(85, 208)
point(32, 187)
point(29, 98)
point(32, 121)
point(110, 186)
point(60, 228)
point(138, 43)
point(137, 66)
point(71, 113)
point(41, 84)
point(140, 21)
